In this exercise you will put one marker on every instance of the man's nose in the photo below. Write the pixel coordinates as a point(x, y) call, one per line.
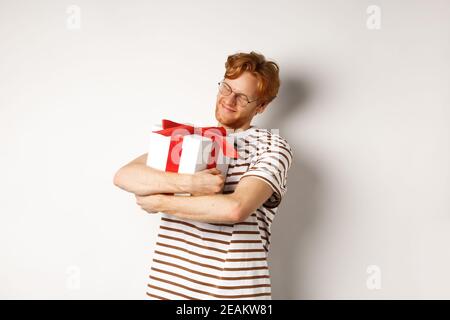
point(231, 99)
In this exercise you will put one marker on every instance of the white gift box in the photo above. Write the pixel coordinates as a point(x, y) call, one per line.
point(223, 161)
point(196, 150)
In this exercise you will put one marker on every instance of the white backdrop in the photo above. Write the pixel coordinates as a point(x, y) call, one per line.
point(364, 103)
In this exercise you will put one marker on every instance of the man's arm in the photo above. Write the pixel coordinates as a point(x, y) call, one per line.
point(140, 179)
point(250, 194)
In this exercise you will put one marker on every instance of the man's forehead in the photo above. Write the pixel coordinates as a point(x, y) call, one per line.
point(243, 85)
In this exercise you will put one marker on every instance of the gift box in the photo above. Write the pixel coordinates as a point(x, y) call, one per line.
point(182, 148)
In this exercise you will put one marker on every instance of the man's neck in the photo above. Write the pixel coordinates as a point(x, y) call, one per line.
point(243, 128)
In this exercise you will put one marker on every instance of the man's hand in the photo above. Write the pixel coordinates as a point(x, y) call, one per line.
point(207, 182)
point(149, 203)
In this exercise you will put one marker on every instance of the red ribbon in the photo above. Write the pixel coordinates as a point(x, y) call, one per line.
point(177, 131)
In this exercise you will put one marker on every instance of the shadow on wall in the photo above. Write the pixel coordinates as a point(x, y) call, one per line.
point(298, 214)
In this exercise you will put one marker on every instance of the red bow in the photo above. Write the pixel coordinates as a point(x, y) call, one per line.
point(177, 131)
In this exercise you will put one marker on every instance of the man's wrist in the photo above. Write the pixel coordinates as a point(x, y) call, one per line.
point(160, 200)
point(187, 183)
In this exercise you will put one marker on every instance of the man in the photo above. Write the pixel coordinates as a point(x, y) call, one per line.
point(214, 245)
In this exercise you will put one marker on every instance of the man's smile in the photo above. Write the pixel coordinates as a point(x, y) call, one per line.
point(227, 108)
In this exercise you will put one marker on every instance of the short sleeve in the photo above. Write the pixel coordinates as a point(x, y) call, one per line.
point(271, 165)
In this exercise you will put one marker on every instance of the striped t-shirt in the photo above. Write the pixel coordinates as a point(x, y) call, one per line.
point(206, 261)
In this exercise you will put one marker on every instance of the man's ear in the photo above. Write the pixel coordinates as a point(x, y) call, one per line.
point(261, 107)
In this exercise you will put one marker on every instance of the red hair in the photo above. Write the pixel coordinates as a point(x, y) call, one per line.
point(266, 72)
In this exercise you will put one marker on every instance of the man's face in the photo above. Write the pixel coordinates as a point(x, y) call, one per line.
point(228, 112)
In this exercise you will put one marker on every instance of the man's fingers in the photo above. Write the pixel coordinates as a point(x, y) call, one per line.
point(213, 171)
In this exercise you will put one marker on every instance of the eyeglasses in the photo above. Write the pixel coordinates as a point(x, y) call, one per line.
point(241, 99)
